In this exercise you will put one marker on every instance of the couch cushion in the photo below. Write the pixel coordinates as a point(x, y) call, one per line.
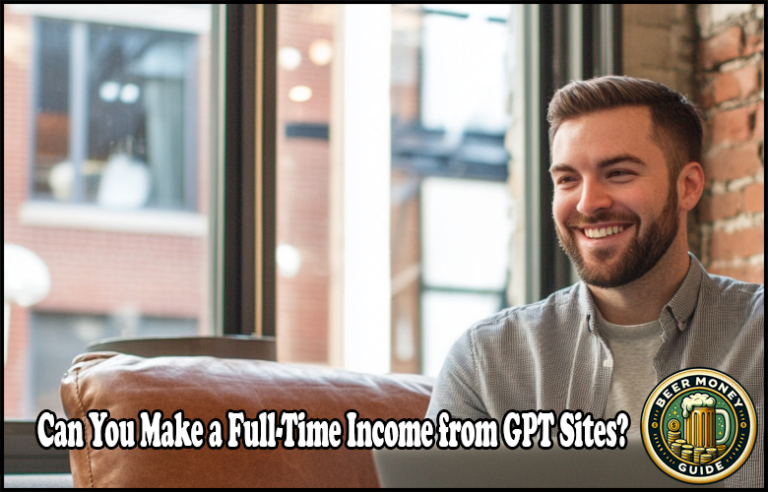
point(205, 388)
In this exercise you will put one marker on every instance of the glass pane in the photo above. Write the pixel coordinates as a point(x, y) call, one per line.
point(113, 132)
point(106, 184)
point(136, 110)
point(390, 118)
point(459, 250)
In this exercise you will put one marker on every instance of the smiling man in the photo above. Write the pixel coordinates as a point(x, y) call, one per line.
point(626, 171)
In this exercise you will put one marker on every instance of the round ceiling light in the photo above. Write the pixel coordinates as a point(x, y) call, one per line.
point(289, 58)
point(321, 52)
point(300, 93)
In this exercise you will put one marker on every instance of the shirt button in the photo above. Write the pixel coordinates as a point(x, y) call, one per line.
point(607, 363)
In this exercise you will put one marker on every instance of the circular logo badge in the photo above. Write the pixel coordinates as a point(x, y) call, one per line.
point(699, 425)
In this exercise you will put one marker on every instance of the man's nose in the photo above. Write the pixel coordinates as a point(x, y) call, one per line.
point(594, 197)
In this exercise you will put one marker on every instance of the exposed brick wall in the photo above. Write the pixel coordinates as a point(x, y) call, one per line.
point(730, 75)
point(659, 43)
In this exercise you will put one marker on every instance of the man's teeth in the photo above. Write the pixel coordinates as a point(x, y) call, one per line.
point(602, 232)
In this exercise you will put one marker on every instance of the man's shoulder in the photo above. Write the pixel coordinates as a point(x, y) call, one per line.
point(726, 291)
point(549, 312)
point(730, 311)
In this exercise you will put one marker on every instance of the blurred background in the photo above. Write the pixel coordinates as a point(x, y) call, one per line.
point(400, 178)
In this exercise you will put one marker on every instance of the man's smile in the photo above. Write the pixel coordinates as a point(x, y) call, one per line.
point(603, 231)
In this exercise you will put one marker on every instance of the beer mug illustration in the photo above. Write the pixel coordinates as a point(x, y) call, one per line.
point(699, 426)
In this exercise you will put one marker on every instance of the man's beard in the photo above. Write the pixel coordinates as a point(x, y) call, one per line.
point(643, 253)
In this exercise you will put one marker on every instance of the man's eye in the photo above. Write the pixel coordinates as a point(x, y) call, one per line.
point(566, 180)
point(618, 173)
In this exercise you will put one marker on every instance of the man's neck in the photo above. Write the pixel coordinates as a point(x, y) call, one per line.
point(641, 301)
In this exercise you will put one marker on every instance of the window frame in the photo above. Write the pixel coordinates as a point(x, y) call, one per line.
point(561, 42)
point(244, 280)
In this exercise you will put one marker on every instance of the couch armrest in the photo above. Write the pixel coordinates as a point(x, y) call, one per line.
point(205, 388)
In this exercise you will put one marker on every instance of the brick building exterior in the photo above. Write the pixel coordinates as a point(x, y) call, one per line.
point(93, 272)
point(303, 186)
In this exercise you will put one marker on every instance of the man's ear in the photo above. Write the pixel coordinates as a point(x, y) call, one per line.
point(690, 185)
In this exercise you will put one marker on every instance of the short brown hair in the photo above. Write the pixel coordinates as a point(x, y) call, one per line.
point(676, 124)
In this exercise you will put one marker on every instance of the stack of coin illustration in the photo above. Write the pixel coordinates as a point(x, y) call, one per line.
point(712, 452)
point(697, 452)
point(673, 434)
point(721, 449)
point(705, 458)
point(676, 448)
point(687, 452)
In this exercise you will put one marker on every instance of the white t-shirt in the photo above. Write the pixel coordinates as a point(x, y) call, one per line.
point(633, 348)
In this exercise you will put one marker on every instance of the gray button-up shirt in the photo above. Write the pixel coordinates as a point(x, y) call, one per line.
point(550, 356)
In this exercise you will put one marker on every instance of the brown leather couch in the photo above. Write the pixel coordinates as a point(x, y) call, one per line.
point(205, 388)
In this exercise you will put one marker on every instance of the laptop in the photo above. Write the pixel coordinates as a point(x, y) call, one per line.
point(535, 467)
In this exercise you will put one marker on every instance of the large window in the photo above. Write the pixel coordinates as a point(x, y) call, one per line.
point(453, 150)
point(393, 211)
point(413, 196)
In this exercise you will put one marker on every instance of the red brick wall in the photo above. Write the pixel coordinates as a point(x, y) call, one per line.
point(730, 73)
point(15, 119)
point(405, 245)
point(303, 189)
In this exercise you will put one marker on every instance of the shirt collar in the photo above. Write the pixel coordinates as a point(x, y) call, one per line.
point(683, 303)
point(680, 307)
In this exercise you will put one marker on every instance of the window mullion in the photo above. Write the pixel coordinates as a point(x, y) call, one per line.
point(191, 127)
point(78, 106)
